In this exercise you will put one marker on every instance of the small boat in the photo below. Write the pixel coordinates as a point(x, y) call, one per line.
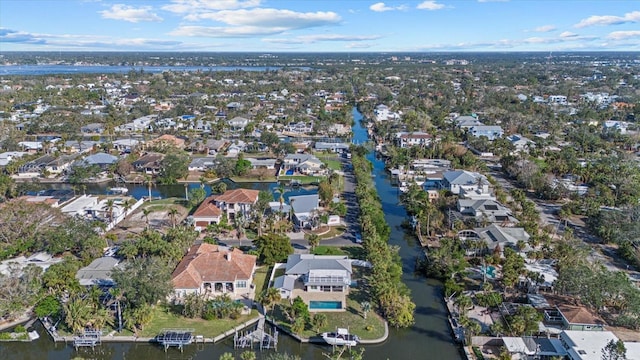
point(119, 190)
point(341, 337)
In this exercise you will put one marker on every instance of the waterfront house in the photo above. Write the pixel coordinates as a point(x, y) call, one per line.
point(263, 163)
point(214, 270)
point(305, 211)
point(302, 163)
point(316, 279)
point(102, 160)
point(495, 238)
point(411, 139)
point(98, 273)
point(331, 146)
point(237, 202)
point(148, 163)
point(207, 213)
point(487, 211)
point(202, 163)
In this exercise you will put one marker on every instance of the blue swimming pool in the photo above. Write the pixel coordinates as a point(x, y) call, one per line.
point(325, 305)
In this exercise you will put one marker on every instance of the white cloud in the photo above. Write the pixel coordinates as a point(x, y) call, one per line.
point(92, 42)
point(226, 32)
point(567, 34)
point(272, 18)
point(429, 5)
point(130, 13)
point(631, 17)
point(622, 35)
point(195, 6)
point(310, 39)
point(544, 28)
point(382, 7)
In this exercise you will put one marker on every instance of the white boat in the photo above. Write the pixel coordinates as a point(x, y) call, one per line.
point(119, 190)
point(341, 338)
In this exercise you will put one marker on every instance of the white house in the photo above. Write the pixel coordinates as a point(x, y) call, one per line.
point(455, 180)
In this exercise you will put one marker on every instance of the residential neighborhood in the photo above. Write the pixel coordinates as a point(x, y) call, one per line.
point(306, 200)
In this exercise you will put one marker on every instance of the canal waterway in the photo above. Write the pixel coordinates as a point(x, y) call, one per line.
point(429, 338)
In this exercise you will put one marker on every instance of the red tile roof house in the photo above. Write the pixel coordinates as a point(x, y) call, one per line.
point(207, 213)
point(214, 270)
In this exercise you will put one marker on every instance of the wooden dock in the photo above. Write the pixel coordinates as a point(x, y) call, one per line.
point(258, 337)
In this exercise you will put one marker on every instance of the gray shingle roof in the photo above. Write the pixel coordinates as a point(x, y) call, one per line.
point(298, 264)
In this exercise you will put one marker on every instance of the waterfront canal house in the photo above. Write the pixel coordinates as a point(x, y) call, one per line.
point(322, 281)
point(148, 163)
point(213, 270)
point(237, 202)
point(411, 139)
point(206, 214)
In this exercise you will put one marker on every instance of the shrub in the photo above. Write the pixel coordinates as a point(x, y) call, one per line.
point(20, 329)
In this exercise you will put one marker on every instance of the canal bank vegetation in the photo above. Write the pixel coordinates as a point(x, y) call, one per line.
point(385, 287)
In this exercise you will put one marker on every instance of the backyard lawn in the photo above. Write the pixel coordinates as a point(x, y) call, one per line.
point(367, 329)
point(260, 278)
point(165, 319)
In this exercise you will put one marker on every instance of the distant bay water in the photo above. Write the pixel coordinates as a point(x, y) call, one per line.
point(51, 69)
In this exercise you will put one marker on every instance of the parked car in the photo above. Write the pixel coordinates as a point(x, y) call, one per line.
point(358, 238)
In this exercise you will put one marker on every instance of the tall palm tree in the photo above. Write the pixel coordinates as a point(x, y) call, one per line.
point(314, 240)
point(269, 298)
point(110, 204)
point(281, 190)
point(148, 181)
point(173, 212)
point(145, 213)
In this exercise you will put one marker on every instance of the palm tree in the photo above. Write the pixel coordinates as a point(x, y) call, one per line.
point(149, 181)
point(77, 312)
point(241, 224)
point(145, 213)
point(314, 240)
point(280, 190)
point(173, 212)
point(203, 181)
point(117, 297)
point(269, 298)
point(110, 204)
point(366, 307)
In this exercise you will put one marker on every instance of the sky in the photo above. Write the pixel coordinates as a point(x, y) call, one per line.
point(319, 25)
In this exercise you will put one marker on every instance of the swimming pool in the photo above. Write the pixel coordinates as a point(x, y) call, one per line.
point(325, 305)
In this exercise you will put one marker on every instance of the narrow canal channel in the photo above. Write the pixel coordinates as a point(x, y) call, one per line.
point(429, 338)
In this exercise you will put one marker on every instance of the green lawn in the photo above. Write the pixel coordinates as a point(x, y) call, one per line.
point(354, 252)
point(252, 179)
point(303, 179)
point(333, 164)
point(333, 232)
point(163, 204)
point(368, 329)
point(261, 278)
point(328, 250)
point(165, 319)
